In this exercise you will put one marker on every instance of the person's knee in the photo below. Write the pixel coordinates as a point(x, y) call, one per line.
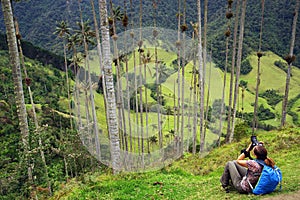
point(230, 163)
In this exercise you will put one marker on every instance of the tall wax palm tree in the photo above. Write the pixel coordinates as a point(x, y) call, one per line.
point(135, 90)
point(223, 90)
point(194, 89)
point(146, 58)
point(111, 103)
point(62, 30)
point(160, 73)
point(140, 45)
point(238, 66)
point(17, 80)
point(290, 58)
point(229, 116)
point(183, 29)
point(86, 37)
point(99, 51)
point(227, 34)
point(157, 76)
point(207, 100)
point(117, 15)
point(73, 40)
point(87, 34)
point(125, 24)
point(200, 70)
point(202, 120)
point(133, 44)
point(259, 55)
point(179, 45)
point(28, 82)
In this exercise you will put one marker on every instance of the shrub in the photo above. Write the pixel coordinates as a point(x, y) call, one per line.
point(281, 65)
point(246, 67)
point(271, 96)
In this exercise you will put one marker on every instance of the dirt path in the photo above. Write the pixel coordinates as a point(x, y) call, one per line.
point(294, 196)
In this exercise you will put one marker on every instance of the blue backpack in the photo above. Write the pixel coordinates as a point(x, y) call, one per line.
point(268, 180)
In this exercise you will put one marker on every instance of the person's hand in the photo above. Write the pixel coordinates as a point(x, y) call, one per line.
point(250, 147)
point(247, 153)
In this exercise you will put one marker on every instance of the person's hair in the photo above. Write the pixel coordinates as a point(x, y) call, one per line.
point(262, 154)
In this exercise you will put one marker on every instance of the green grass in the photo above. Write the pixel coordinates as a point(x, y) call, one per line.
point(296, 106)
point(191, 177)
point(271, 78)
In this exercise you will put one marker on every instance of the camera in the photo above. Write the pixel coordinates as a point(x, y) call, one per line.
point(255, 142)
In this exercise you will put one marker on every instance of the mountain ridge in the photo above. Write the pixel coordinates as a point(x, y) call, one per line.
point(38, 19)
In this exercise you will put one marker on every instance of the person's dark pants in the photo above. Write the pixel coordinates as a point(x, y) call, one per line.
point(234, 172)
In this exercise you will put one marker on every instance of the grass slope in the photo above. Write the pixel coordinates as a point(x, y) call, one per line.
point(191, 177)
point(272, 77)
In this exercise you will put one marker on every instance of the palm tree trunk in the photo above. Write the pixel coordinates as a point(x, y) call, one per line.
point(223, 93)
point(136, 94)
point(68, 84)
point(194, 89)
point(238, 66)
point(290, 59)
point(17, 79)
point(77, 95)
point(175, 107)
point(182, 83)
point(129, 148)
point(120, 102)
point(259, 54)
point(228, 131)
point(195, 110)
point(141, 82)
point(111, 103)
point(179, 44)
point(146, 106)
point(127, 78)
point(158, 99)
point(201, 77)
point(207, 100)
point(202, 141)
point(94, 116)
point(99, 51)
point(135, 80)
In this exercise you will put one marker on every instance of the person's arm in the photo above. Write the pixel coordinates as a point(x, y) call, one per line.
point(241, 159)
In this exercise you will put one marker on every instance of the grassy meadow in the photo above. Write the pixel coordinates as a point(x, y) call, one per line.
point(190, 177)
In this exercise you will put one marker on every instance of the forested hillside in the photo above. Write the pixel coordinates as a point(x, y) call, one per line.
point(60, 144)
point(38, 19)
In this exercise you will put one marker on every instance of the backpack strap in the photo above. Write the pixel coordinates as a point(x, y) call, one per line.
point(261, 162)
point(255, 174)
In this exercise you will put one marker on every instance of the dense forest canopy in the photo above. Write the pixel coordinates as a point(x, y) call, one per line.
point(38, 18)
point(154, 100)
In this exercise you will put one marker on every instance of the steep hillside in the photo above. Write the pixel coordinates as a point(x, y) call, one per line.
point(36, 53)
point(58, 141)
point(191, 177)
